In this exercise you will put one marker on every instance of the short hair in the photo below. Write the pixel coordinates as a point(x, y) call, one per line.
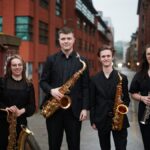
point(65, 30)
point(106, 47)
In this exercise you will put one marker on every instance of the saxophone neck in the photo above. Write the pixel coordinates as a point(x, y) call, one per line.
point(83, 63)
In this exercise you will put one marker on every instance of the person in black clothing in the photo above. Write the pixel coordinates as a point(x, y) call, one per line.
point(140, 91)
point(58, 68)
point(102, 95)
point(16, 96)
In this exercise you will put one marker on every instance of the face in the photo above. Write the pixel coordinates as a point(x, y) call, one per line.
point(148, 55)
point(106, 58)
point(66, 41)
point(16, 67)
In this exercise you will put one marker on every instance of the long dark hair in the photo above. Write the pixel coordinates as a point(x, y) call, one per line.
point(8, 73)
point(144, 63)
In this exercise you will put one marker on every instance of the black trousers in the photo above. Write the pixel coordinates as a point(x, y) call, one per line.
point(63, 120)
point(145, 131)
point(120, 139)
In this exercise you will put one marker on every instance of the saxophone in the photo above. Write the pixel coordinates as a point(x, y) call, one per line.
point(26, 140)
point(51, 105)
point(11, 118)
point(119, 108)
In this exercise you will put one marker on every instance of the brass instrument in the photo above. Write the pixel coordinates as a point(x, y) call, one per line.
point(51, 105)
point(11, 118)
point(146, 114)
point(119, 108)
point(26, 140)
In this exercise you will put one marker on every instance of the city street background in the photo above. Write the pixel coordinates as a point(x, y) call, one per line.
point(89, 138)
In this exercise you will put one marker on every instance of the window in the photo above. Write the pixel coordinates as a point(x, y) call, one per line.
point(1, 21)
point(24, 27)
point(29, 70)
point(58, 7)
point(56, 37)
point(44, 3)
point(43, 32)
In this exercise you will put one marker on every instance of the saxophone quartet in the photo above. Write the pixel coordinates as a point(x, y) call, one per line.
point(146, 114)
point(51, 105)
point(119, 108)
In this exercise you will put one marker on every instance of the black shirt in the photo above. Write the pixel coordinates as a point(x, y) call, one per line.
point(140, 85)
point(102, 97)
point(58, 69)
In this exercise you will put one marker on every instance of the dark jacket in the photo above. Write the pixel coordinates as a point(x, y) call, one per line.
point(102, 99)
point(51, 78)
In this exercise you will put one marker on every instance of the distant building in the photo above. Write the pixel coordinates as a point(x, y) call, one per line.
point(120, 54)
point(132, 61)
point(37, 23)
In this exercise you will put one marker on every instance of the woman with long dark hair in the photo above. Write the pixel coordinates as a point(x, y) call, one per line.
point(140, 91)
point(16, 96)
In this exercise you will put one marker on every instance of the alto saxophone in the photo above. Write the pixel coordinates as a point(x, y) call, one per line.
point(146, 114)
point(119, 108)
point(51, 105)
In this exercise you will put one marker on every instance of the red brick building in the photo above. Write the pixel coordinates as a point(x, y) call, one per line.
point(37, 22)
point(144, 25)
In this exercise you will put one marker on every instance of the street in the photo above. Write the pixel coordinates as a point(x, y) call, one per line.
point(89, 138)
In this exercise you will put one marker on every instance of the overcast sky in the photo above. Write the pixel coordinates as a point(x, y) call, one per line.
point(123, 14)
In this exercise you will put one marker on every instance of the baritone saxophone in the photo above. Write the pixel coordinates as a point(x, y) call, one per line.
point(119, 108)
point(26, 140)
point(51, 105)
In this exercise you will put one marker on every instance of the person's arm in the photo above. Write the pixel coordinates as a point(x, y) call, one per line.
point(85, 88)
point(45, 76)
point(29, 109)
point(139, 97)
point(92, 102)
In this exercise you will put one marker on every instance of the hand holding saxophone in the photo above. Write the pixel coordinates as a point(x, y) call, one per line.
point(145, 100)
point(56, 93)
point(14, 109)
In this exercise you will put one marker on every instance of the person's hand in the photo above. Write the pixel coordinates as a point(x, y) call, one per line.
point(146, 100)
point(94, 126)
point(14, 109)
point(56, 94)
point(83, 115)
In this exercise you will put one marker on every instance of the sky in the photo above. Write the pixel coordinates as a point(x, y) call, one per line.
point(123, 14)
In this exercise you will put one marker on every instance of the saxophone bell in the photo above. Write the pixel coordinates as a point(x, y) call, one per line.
point(122, 109)
point(65, 102)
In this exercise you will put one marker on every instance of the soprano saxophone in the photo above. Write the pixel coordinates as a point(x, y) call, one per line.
point(146, 114)
point(51, 105)
point(119, 109)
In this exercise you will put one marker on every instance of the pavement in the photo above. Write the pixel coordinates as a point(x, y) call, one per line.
point(89, 137)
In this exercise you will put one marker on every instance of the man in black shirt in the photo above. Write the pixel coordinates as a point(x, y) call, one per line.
point(103, 97)
point(57, 70)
